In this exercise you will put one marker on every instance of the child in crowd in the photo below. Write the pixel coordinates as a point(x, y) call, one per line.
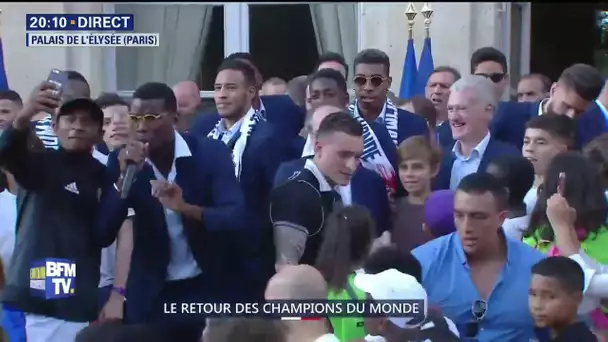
point(596, 151)
point(517, 174)
point(581, 187)
point(439, 214)
point(418, 164)
point(546, 136)
point(347, 241)
point(556, 290)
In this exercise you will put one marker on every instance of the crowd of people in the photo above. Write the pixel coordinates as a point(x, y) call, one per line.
point(494, 211)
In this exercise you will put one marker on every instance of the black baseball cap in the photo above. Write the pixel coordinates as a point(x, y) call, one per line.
point(82, 103)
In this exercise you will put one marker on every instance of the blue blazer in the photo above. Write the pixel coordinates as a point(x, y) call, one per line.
point(444, 135)
point(409, 125)
point(509, 122)
point(495, 148)
point(590, 124)
point(284, 114)
point(367, 189)
point(207, 180)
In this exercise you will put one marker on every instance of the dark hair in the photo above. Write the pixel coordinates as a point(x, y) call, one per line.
point(566, 271)
point(583, 190)
point(596, 151)
point(238, 65)
point(157, 91)
point(517, 174)
point(340, 122)
point(106, 100)
point(546, 81)
point(12, 96)
point(488, 54)
point(482, 182)
point(586, 81)
point(347, 238)
point(114, 331)
point(331, 74)
point(388, 257)
point(424, 107)
point(451, 70)
point(246, 329)
point(242, 56)
point(373, 56)
point(76, 76)
point(558, 126)
point(332, 57)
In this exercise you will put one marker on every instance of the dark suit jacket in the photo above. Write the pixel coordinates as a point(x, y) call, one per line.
point(444, 135)
point(284, 114)
point(367, 189)
point(495, 148)
point(409, 125)
point(207, 180)
point(509, 123)
point(590, 124)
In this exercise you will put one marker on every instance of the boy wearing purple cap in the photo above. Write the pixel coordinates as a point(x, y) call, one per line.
point(418, 164)
point(439, 214)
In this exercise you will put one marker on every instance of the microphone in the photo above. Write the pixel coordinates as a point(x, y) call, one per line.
point(127, 181)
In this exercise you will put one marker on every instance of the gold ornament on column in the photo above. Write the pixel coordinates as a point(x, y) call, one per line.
point(427, 12)
point(410, 13)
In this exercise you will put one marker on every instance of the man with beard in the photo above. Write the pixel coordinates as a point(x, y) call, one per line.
point(438, 91)
point(188, 98)
point(594, 121)
point(575, 89)
point(188, 208)
point(256, 154)
point(533, 88)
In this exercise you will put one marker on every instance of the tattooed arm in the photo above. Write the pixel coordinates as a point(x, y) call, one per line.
point(295, 210)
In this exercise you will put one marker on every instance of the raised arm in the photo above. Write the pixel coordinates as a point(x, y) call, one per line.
point(16, 156)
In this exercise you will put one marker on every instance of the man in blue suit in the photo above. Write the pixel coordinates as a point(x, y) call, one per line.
point(470, 107)
point(256, 152)
point(279, 110)
point(594, 121)
point(188, 208)
point(575, 89)
point(366, 187)
point(372, 81)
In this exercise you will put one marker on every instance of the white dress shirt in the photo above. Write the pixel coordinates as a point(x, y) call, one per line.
point(344, 191)
point(596, 282)
point(181, 264)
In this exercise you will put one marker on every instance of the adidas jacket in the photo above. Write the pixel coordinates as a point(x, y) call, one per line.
point(58, 216)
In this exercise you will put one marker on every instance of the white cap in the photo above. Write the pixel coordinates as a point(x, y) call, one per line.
point(392, 285)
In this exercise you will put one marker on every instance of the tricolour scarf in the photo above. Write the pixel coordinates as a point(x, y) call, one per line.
point(249, 121)
point(374, 157)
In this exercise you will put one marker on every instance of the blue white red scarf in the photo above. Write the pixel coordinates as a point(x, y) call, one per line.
point(374, 157)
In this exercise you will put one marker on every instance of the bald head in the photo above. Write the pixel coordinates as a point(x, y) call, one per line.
point(320, 113)
point(188, 97)
point(301, 282)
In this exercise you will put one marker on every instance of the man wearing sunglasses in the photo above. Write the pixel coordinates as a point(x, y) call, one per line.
point(188, 208)
point(372, 82)
point(477, 276)
point(577, 87)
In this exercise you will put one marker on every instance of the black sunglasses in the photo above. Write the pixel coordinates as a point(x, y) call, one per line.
point(495, 77)
point(478, 311)
point(375, 81)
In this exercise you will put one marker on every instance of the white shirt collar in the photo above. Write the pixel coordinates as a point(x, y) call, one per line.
point(102, 158)
point(541, 106)
point(262, 108)
point(480, 149)
point(181, 147)
point(323, 183)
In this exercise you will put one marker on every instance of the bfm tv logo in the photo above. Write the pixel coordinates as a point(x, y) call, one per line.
point(53, 278)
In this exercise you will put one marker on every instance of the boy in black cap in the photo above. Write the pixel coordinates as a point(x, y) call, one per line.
point(60, 201)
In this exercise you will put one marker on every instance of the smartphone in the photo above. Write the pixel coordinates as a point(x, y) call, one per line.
point(59, 79)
